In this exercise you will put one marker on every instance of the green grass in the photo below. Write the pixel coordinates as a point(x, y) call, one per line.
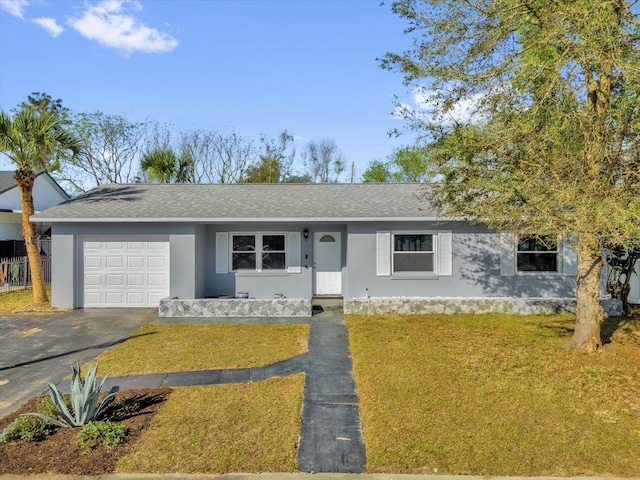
point(495, 395)
point(22, 301)
point(224, 428)
point(175, 348)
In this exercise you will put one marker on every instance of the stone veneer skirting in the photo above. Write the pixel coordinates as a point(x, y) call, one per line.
point(231, 307)
point(522, 306)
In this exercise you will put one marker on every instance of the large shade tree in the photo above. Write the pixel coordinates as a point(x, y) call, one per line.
point(31, 139)
point(551, 145)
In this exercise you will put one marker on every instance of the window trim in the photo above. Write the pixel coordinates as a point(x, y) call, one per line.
point(232, 251)
point(558, 252)
point(434, 252)
point(258, 252)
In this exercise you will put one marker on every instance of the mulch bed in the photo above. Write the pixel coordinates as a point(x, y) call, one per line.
point(60, 453)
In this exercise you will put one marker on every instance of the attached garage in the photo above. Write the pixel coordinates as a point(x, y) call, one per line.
point(124, 271)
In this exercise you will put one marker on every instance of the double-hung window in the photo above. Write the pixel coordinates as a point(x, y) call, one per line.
point(258, 251)
point(273, 252)
point(537, 254)
point(413, 253)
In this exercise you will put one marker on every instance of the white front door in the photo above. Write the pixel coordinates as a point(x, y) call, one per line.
point(327, 254)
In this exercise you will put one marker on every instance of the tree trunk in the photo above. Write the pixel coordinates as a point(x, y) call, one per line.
point(25, 179)
point(589, 314)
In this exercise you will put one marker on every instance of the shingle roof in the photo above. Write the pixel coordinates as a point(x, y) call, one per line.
point(6, 180)
point(244, 202)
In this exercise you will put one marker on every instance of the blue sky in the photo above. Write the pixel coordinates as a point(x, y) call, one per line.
point(255, 66)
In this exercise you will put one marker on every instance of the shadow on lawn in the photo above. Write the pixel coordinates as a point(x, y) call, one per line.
point(628, 328)
point(132, 406)
point(556, 330)
point(83, 349)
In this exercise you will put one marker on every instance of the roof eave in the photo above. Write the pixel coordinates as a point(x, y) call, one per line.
point(243, 219)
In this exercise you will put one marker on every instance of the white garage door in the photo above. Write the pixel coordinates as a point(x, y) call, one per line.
point(125, 272)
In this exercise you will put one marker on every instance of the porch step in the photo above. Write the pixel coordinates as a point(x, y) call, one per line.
point(327, 302)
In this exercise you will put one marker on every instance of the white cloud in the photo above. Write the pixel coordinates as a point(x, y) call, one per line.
point(17, 9)
point(427, 103)
point(298, 138)
point(50, 25)
point(110, 23)
point(14, 7)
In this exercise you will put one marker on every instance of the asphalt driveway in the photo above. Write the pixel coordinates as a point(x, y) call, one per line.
point(36, 349)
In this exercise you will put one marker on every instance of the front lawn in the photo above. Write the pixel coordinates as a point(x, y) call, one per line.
point(495, 395)
point(177, 348)
point(223, 428)
point(21, 301)
point(252, 427)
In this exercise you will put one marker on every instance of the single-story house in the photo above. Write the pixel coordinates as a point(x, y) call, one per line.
point(377, 246)
point(46, 193)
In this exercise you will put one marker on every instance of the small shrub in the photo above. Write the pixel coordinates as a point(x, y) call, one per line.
point(15, 272)
point(94, 433)
point(24, 428)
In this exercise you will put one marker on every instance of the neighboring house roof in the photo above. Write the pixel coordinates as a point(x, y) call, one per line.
point(7, 182)
point(244, 203)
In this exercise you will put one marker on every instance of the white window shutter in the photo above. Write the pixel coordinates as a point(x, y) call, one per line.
point(222, 252)
point(507, 247)
point(445, 252)
point(383, 253)
point(569, 259)
point(293, 252)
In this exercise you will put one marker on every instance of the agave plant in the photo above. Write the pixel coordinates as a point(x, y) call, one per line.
point(85, 394)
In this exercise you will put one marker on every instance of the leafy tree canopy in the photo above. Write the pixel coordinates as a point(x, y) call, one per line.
point(274, 163)
point(32, 140)
point(40, 103)
point(406, 165)
point(551, 143)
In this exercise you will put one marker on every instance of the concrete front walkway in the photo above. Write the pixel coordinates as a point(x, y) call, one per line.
point(331, 433)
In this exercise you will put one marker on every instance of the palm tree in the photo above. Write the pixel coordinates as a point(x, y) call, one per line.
point(31, 140)
point(162, 165)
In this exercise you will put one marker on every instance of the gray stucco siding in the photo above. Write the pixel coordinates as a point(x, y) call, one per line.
point(265, 284)
point(63, 268)
point(200, 263)
point(476, 260)
point(67, 267)
point(475, 268)
point(182, 266)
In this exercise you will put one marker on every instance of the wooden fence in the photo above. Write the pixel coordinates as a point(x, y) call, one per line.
point(15, 273)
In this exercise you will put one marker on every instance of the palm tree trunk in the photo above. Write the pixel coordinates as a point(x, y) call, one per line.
point(25, 179)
